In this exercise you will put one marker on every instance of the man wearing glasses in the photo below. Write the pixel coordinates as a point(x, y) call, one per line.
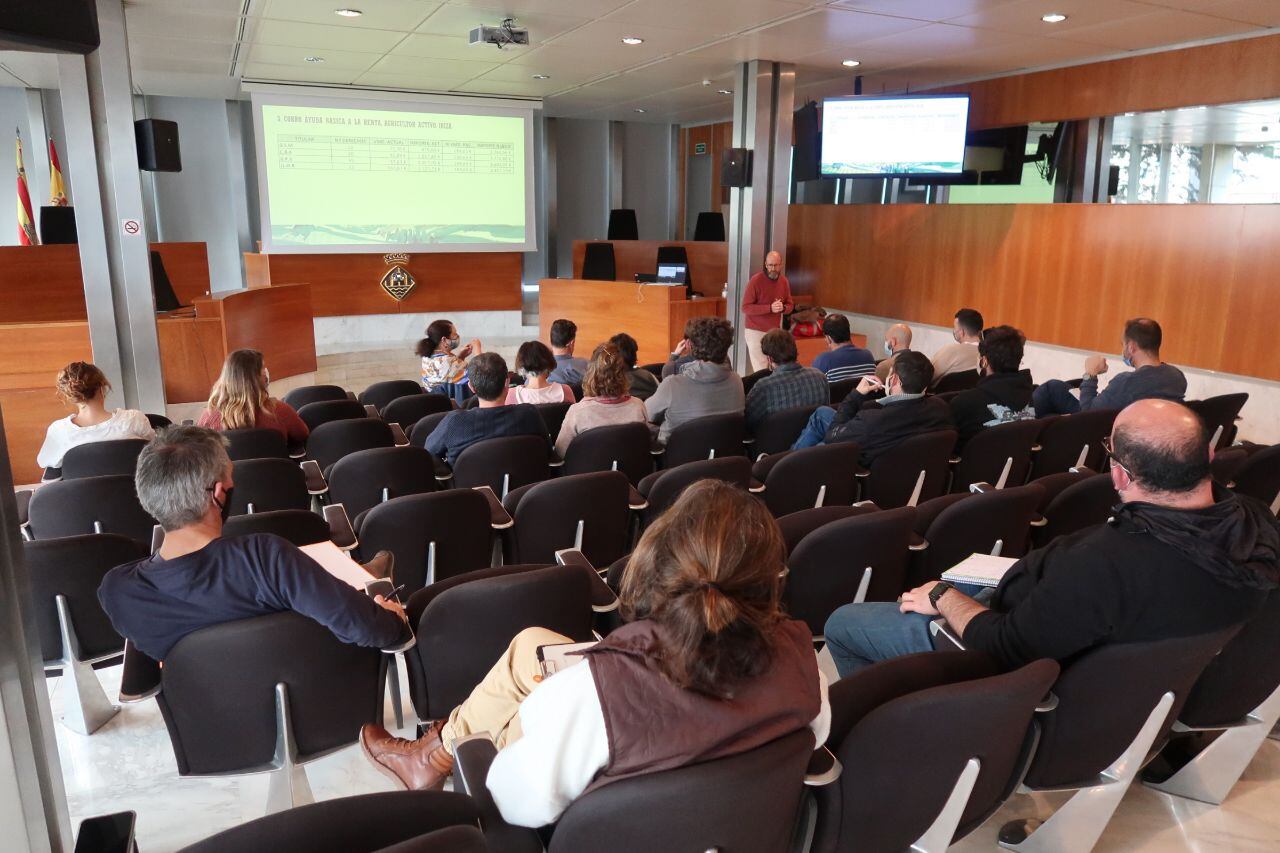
point(1180, 557)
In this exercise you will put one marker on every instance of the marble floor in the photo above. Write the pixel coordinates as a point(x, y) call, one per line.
point(128, 764)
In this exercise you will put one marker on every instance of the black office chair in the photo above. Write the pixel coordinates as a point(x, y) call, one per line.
point(256, 443)
point(267, 694)
point(1259, 477)
point(588, 512)
point(552, 415)
point(842, 389)
point(622, 225)
point(677, 255)
point(158, 422)
point(661, 488)
point(1085, 503)
point(914, 471)
point(412, 408)
point(654, 367)
point(263, 485)
point(779, 430)
point(503, 464)
point(811, 477)
point(76, 636)
point(598, 263)
point(999, 455)
point(622, 447)
point(333, 440)
point(1219, 415)
point(299, 526)
point(325, 411)
point(956, 526)
point(707, 437)
point(1072, 441)
point(380, 394)
point(299, 397)
point(102, 458)
point(366, 478)
point(434, 536)
point(709, 227)
point(962, 380)
point(425, 426)
point(795, 526)
point(89, 505)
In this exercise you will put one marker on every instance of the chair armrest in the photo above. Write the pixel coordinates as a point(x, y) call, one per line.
point(917, 543)
point(341, 533)
point(1081, 469)
point(24, 505)
point(297, 451)
point(635, 500)
point(315, 478)
point(472, 756)
point(397, 435)
point(499, 518)
point(603, 598)
point(943, 636)
point(442, 470)
point(351, 396)
point(755, 487)
point(140, 676)
point(1048, 703)
point(869, 504)
point(371, 412)
point(981, 488)
point(763, 466)
point(824, 768)
point(555, 462)
point(645, 486)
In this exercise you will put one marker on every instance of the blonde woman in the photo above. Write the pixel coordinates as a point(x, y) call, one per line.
point(606, 400)
point(240, 400)
point(84, 386)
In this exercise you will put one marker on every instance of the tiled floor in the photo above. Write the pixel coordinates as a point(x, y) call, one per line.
point(128, 764)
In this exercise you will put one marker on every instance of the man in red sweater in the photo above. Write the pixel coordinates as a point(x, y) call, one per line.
point(767, 298)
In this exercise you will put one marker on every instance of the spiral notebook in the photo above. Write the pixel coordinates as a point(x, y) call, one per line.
point(979, 569)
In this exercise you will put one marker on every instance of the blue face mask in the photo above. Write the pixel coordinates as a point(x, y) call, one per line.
point(888, 348)
point(1128, 362)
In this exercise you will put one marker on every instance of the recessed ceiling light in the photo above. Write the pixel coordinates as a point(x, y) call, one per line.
point(542, 77)
point(851, 63)
point(640, 109)
point(314, 58)
point(1131, 114)
point(348, 13)
point(1053, 18)
point(725, 91)
point(632, 40)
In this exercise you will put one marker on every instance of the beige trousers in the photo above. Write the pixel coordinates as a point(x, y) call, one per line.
point(493, 705)
point(754, 355)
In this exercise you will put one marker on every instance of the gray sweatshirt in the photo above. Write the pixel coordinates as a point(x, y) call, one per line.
point(699, 389)
point(1158, 382)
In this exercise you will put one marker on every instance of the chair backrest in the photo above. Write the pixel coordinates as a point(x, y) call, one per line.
point(751, 379)
point(779, 430)
point(379, 394)
point(711, 436)
point(842, 389)
point(363, 479)
point(158, 421)
point(895, 473)
point(1106, 695)
point(621, 447)
point(426, 424)
point(73, 567)
point(454, 525)
point(1241, 676)
point(263, 485)
point(1220, 413)
point(1065, 437)
point(315, 414)
point(299, 397)
point(465, 623)
point(89, 505)
point(256, 443)
point(973, 524)
point(829, 565)
point(102, 458)
point(908, 726)
point(709, 227)
point(333, 440)
point(961, 380)
point(554, 514)
point(503, 464)
point(795, 526)
point(1000, 455)
point(411, 408)
point(748, 801)
point(622, 224)
point(654, 367)
point(552, 415)
point(670, 483)
point(801, 476)
point(1080, 505)
point(597, 262)
point(1259, 476)
point(299, 526)
point(218, 691)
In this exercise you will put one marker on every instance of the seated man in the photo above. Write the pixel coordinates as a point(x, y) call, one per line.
point(198, 579)
point(1003, 394)
point(879, 426)
point(492, 418)
point(963, 354)
point(1151, 378)
point(842, 360)
point(1179, 558)
point(569, 370)
point(705, 386)
point(682, 354)
point(896, 341)
point(790, 384)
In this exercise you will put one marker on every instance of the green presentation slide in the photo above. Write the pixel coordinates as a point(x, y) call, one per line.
point(370, 177)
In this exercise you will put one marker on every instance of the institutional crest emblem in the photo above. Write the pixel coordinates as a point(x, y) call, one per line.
point(397, 283)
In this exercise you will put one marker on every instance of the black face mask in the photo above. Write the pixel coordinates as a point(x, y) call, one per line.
point(225, 506)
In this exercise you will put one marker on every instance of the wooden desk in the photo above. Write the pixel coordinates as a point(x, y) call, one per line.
point(708, 262)
point(652, 314)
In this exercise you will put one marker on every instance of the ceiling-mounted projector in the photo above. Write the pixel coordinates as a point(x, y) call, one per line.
point(506, 33)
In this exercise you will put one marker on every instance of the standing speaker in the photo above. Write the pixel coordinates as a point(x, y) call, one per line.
point(157, 145)
point(735, 167)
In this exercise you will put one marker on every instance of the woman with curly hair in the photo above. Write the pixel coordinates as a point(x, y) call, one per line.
point(705, 386)
point(84, 386)
point(605, 398)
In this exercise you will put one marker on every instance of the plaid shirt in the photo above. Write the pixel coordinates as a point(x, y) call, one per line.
point(789, 385)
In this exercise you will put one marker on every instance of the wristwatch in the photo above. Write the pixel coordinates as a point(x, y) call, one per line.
point(939, 589)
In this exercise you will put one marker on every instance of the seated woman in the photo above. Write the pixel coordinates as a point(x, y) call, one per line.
point(605, 398)
point(534, 361)
point(84, 386)
point(643, 383)
point(707, 666)
point(444, 364)
point(239, 400)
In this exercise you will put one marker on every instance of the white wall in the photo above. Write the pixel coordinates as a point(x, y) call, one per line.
point(582, 186)
point(648, 172)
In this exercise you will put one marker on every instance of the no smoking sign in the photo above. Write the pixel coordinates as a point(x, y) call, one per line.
point(130, 227)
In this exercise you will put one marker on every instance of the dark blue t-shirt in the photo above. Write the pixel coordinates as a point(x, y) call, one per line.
point(459, 430)
point(155, 602)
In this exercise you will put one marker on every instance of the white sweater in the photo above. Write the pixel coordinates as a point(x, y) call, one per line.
point(563, 745)
point(64, 434)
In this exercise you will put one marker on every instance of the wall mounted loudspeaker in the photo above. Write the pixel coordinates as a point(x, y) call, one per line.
point(735, 167)
point(157, 145)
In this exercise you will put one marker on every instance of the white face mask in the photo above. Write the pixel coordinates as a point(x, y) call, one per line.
point(454, 341)
point(888, 348)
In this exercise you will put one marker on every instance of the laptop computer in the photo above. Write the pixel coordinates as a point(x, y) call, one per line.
point(673, 273)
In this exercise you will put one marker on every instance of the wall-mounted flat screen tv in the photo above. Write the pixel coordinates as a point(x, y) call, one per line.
point(878, 137)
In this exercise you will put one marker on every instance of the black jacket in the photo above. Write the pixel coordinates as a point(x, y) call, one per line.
point(997, 399)
point(877, 427)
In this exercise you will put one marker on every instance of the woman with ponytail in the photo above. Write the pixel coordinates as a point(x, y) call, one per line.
point(706, 667)
point(444, 360)
point(606, 398)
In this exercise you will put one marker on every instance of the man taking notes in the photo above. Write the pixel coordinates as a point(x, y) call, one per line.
point(767, 298)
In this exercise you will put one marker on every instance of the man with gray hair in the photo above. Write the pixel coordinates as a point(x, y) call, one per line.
point(198, 578)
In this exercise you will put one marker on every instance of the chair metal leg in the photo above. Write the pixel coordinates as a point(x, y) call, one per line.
point(1211, 775)
point(937, 838)
point(288, 786)
point(915, 493)
point(1077, 826)
point(88, 708)
point(865, 583)
point(393, 687)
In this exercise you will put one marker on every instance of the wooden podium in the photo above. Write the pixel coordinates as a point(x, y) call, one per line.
point(653, 314)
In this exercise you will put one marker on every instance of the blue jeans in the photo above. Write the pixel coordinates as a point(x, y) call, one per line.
point(815, 431)
point(1054, 398)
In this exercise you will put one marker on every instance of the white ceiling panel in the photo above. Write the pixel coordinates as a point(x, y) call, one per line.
point(433, 68)
point(211, 24)
point(1158, 28)
point(293, 74)
point(709, 18)
point(38, 70)
point(460, 20)
point(399, 15)
point(1023, 16)
point(939, 40)
point(317, 37)
point(295, 57)
point(524, 88)
point(579, 8)
point(454, 47)
point(924, 10)
point(150, 47)
point(1263, 13)
point(822, 29)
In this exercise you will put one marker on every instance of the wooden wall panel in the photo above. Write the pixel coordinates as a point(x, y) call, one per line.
point(708, 262)
point(192, 351)
point(30, 358)
point(187, 265)
point(275, 320)
point(40, 284)
point(447, 281)
point(1065, 274)
point(717, 137)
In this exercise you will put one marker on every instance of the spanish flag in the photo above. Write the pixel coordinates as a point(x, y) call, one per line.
point(57, 189)
point(26, 224)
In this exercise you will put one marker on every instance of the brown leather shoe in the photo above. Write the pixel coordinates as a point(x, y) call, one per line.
point(415, 765)
point(383, 565)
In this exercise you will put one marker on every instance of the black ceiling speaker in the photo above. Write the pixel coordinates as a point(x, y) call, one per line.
point(735, 167)
point(157, 145)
